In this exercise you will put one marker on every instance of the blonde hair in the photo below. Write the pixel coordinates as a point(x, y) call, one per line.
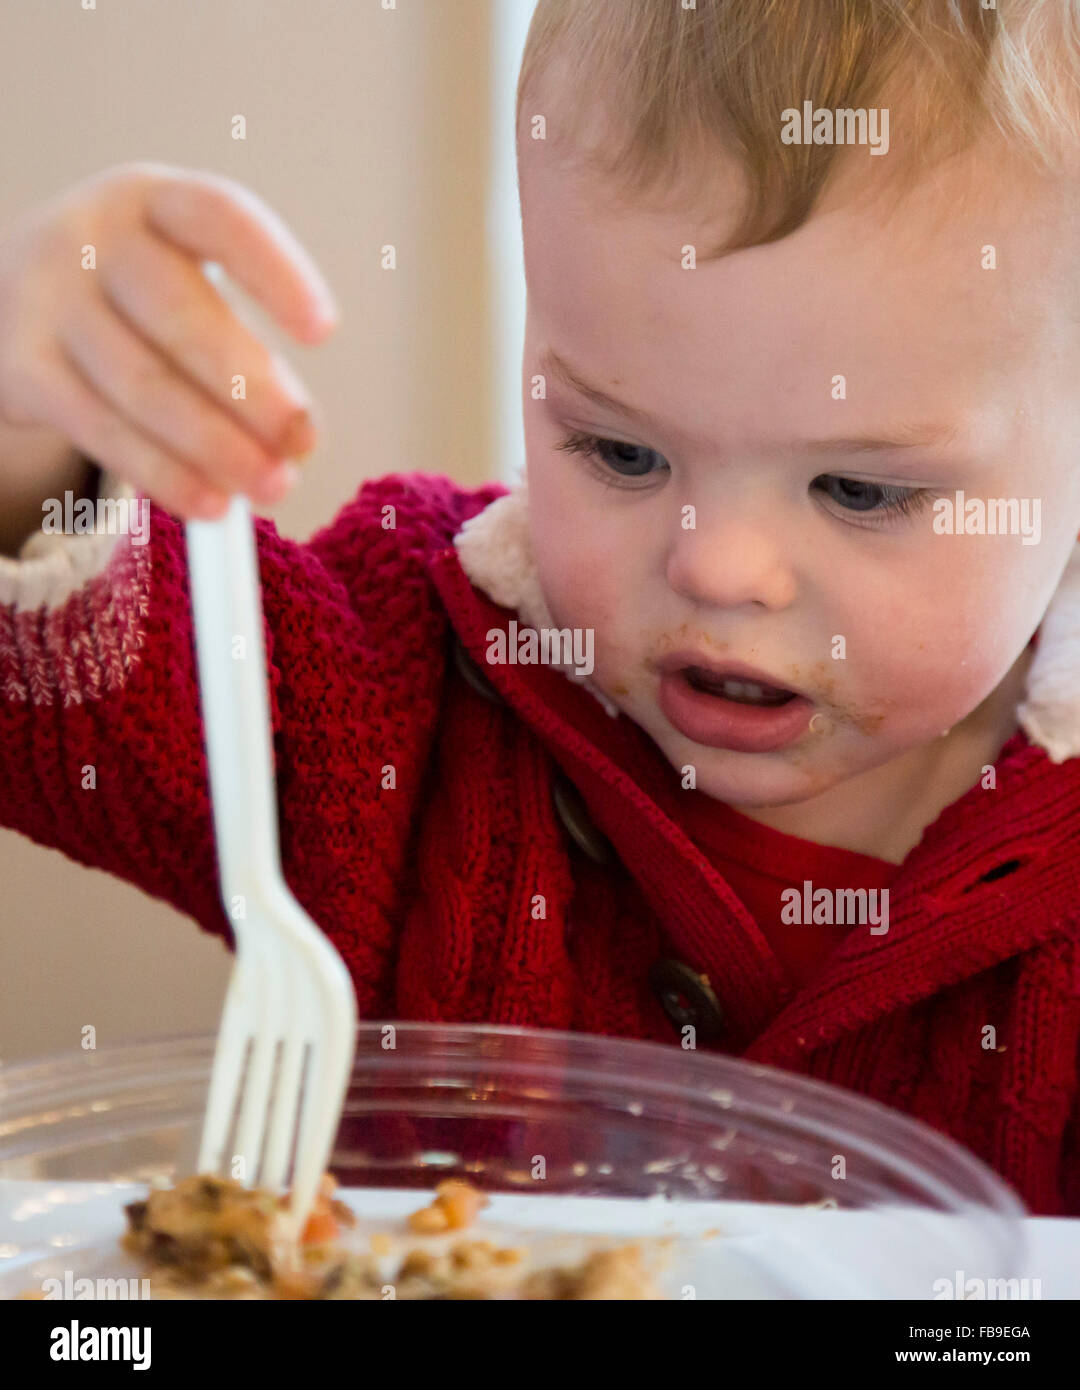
point(672, 84)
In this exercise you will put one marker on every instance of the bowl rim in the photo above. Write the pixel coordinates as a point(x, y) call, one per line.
point(860, 1122)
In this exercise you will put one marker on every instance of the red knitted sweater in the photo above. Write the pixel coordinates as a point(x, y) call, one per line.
point(420, 829)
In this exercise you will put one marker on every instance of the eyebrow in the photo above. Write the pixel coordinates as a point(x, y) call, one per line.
point(551, 364)
point(900, 437)
point(903, 436)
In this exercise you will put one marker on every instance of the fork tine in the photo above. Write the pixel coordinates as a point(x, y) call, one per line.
point(327, 1013)
point(282, 1130)
point(284, 1115)
point(304, 1022)
point(319, 1119)
point(267, 1009)
point(227, 1074)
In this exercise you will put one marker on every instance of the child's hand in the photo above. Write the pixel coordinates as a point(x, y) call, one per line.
point(135, 361)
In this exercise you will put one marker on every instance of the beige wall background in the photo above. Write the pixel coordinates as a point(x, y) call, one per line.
point(364, 126)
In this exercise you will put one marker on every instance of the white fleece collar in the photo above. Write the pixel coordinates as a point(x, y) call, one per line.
point(495, 553)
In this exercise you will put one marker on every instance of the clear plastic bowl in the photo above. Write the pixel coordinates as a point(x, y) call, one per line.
point(546, 1114)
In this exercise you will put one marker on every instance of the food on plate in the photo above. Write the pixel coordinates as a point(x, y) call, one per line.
point(210, 1237)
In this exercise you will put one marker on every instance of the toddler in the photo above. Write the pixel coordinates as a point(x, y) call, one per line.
point(750, 718)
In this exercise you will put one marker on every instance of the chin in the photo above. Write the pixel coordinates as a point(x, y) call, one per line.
point(759, 787)
point(746, 779)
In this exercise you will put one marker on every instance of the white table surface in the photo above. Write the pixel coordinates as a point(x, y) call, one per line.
point(757, 1250)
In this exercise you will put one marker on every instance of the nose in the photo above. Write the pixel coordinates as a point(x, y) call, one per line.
point(730, 560)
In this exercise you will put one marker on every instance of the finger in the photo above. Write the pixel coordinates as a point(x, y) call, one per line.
point(147, 390)
point(169, 301)
point(70, 404)
point(216, 219)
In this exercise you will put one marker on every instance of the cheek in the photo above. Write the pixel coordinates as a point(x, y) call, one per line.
point(579, 581)
point(935, 655)
point(583, 573)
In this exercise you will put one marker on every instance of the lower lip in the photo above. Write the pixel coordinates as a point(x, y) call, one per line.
point(719, 723)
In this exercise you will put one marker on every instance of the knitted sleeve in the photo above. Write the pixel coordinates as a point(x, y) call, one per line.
point(101, 752)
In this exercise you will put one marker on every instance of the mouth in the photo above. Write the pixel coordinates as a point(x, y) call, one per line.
point(743, 692)
point(730, 705)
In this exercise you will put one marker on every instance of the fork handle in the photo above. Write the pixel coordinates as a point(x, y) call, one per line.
point(227, 613)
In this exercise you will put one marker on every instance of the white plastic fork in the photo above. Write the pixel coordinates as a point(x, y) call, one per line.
point(289, 992)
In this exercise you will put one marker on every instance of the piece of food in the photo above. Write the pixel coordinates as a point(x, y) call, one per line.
point(456, 1204)
point(209, 1237)
point(213, 1232)
point(328, 1215)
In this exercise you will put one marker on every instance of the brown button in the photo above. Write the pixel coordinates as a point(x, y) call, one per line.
point(575, 818)
point(473, 676)
point(687, 998)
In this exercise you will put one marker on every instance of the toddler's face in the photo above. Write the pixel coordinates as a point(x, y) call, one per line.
point(812, 555)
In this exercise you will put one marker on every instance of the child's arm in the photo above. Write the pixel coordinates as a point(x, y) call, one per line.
point(100, 744)
point(115, 346)
point(101, 752)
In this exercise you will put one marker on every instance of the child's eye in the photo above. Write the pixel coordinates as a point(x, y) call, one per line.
point(879, 499)
point(612, 459)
